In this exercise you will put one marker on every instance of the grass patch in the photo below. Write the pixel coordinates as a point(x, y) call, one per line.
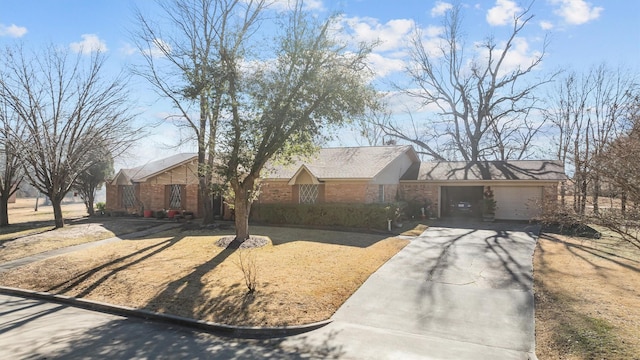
point(303, 276)
point(587, 302)
point(32, 232)
point(417, 230)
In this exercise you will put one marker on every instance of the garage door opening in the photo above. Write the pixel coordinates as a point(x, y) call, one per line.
point(461, 201)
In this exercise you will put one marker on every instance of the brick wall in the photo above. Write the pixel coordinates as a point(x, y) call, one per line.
point(373, 193)
point(346, 192)
point(112, 197)
point(420, 192)
point(276, 192)
point(152, 196)
point(280, 192)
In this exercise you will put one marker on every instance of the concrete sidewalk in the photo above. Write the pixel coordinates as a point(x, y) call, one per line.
point(452, 293)
point(69, 249)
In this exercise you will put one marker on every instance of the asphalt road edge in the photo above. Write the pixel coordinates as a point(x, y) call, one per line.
point(210, 327)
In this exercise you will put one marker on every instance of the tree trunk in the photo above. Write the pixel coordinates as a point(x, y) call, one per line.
point(4, 212)
point(596, 194)
point(206, 201)
point(242, 209)
point(57, 212)
point(89, 203)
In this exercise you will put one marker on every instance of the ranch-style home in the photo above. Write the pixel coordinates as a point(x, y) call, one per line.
point(167, 184)
point(377, 174)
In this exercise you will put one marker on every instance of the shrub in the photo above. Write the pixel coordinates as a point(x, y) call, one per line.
point(371, 216)
point(101, 206)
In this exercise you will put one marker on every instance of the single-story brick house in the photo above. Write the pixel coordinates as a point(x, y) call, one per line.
point(340, 175)
point(167, 184)
point(377, 174)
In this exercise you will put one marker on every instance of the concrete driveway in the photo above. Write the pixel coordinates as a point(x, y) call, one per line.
point(452, 293)
point(458, 291)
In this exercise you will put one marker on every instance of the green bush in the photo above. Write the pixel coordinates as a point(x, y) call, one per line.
point(371, 216)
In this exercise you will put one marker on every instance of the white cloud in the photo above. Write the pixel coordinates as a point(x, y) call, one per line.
point(576, 12)
point(128, 49)
point(546, 25)
point(519, 55)
point(158, 49)
point(440, 8)
point(90, 43)
point(503, 12)
point(12, 30)
point(434, 31)
point(392, 35)
point(383, 65)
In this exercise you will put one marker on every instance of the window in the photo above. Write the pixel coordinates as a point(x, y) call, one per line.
point(128, 196)
point(175, 196)
point(308, 193)
point(380, 193)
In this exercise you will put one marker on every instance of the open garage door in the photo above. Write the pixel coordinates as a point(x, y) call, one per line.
point(461, 201)
point(517, 202)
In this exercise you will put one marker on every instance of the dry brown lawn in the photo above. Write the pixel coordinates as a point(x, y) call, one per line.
point(31, 232)
point(303, 276)
point(587, 298)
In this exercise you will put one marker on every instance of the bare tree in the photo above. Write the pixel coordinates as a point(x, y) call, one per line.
point(618, 165)
point(586, 112)
point(182, 52)
point(282, 107)
point(483, 107)
point(10, 166)
point(69, 110)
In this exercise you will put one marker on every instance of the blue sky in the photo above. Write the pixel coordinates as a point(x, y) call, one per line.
point(582, 33)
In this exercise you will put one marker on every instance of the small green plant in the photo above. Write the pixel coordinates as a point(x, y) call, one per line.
point(489, 203)
point(101, 206)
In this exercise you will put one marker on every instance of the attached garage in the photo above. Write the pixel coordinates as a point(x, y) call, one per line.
point(520, 188)
point(518, 202)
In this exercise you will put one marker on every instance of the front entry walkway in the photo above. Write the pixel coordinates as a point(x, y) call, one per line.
point(452, 293)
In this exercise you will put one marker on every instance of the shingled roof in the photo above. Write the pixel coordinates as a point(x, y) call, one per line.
point(548, 170)
point(153, 168)
point(344, 162)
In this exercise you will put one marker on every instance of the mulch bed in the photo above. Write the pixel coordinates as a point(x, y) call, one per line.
point(252, 242)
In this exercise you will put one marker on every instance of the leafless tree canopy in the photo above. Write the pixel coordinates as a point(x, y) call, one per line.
point(587, 112)
point(483, 107)
point(69, 110)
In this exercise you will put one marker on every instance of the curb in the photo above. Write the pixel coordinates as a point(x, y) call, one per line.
point(211, 327)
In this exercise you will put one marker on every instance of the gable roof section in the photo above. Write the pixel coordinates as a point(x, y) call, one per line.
point(343, 163)
point(153, 168)
point(541, 170)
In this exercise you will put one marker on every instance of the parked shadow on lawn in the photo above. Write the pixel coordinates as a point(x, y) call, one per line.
point(285, 235)
point(569, 327)
point(609, 256)
point(185, 293)
point(116, 265)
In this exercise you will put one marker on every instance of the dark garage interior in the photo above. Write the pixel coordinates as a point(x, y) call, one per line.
point(461, 201)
